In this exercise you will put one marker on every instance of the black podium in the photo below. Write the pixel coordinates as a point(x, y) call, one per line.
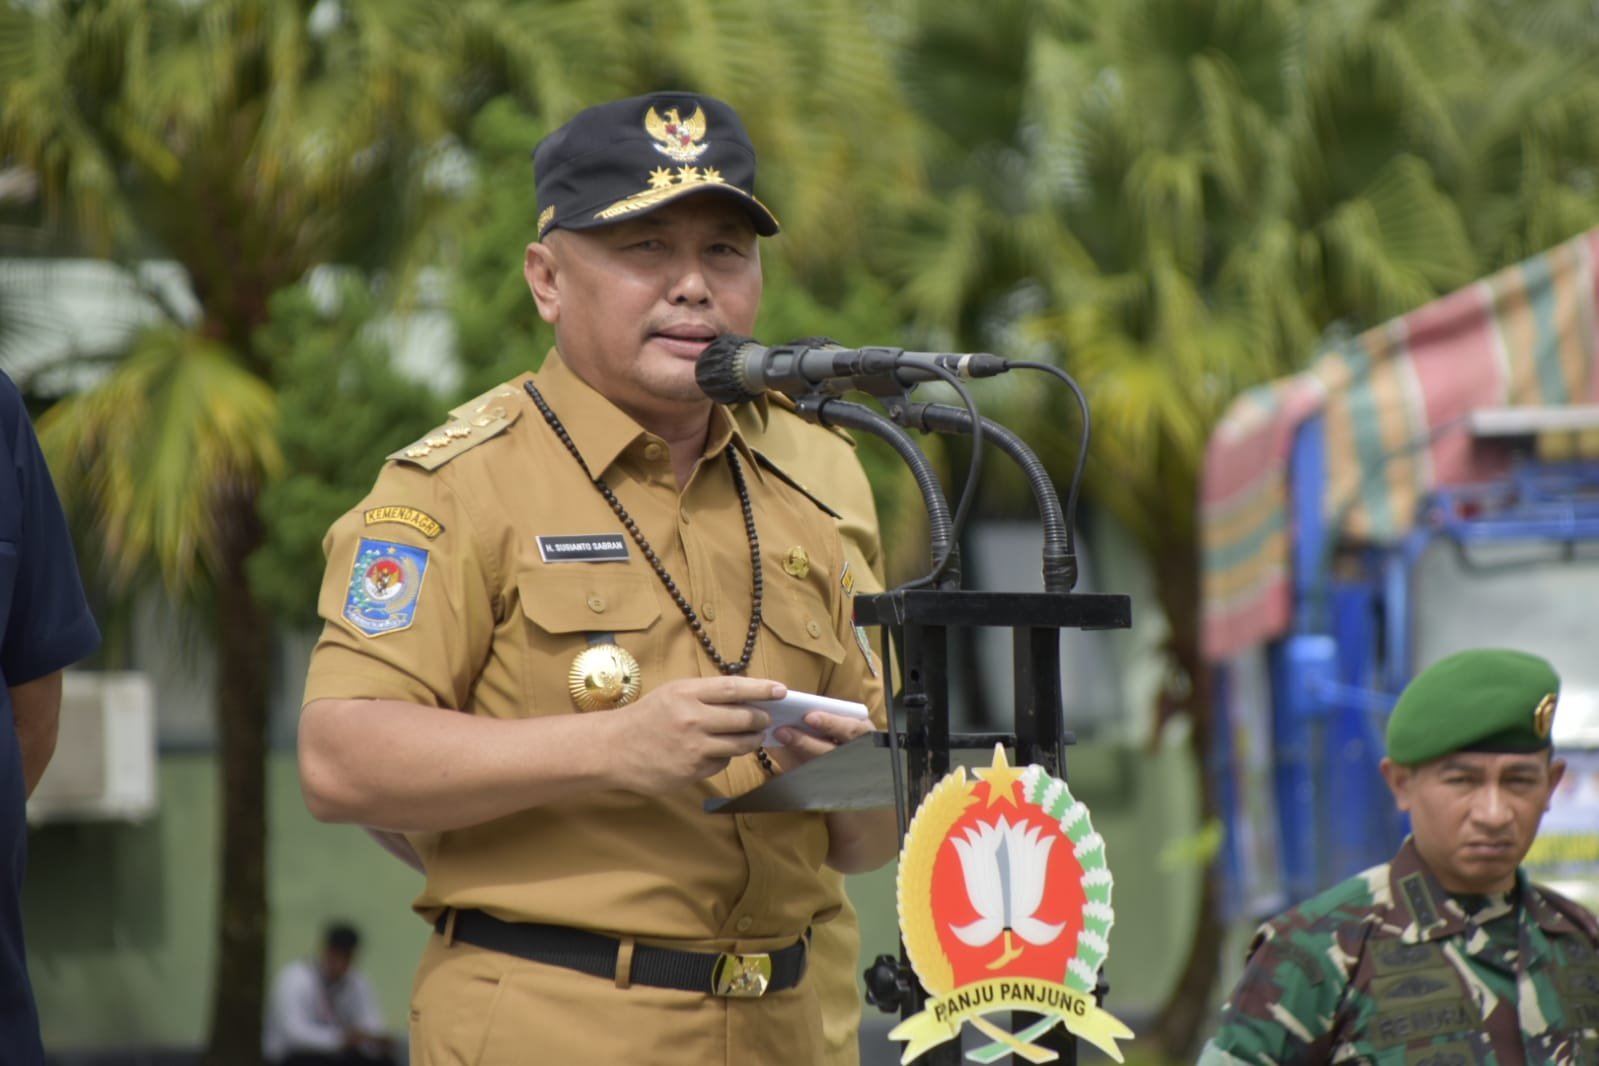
point(902, 766)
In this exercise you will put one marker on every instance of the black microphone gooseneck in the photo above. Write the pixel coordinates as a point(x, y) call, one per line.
point(1059, 557)
point(831, 411)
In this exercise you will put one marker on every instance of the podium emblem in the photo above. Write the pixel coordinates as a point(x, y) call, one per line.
point(1005, 904)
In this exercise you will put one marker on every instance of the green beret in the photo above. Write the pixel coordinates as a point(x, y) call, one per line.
point(1488, 699)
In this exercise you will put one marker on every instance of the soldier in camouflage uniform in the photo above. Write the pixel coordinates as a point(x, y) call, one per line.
point(1447, 954)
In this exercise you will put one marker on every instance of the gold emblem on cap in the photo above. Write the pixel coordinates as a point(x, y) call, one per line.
point(797, 562)
point(675, 137)
point(1543, 719)
point(603, 676)
point(546, 216)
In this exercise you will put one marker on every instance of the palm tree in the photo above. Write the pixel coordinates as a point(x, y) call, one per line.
point(250, 140)
point(247, 140)
point(1179, 198)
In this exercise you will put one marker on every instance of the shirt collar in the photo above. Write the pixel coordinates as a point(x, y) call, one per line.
point(1430, 912)
point(602, 431)
point(1427, 911)
point(1544, 914)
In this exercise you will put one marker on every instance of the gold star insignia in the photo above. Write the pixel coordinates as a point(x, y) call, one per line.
point(660, 178)
point(713, 175)
point(1001, 777)
point(688, 175)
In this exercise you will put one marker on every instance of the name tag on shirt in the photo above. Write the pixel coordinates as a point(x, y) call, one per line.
point(583, 548)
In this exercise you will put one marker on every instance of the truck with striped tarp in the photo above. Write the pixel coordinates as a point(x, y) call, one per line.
point(1429, 485)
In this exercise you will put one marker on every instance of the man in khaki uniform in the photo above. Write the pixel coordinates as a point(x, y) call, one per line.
point(545, 628)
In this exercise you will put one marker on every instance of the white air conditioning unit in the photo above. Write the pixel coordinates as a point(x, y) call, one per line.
point(104, 765)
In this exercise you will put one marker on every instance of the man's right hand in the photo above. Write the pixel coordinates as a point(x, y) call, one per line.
point(687, 730)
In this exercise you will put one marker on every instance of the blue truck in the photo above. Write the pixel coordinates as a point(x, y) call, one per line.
point(1489, 535)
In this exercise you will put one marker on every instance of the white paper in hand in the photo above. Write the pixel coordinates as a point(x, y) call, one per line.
point(792, 709)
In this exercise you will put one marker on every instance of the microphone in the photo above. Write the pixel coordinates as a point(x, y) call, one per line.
point(735, 369)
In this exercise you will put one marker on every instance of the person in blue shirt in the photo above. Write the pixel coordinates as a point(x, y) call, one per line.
point(45, 625)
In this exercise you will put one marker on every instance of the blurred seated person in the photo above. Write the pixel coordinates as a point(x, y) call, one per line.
point(323, 1012)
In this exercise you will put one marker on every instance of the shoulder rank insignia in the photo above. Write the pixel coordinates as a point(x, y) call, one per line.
point(471, 424)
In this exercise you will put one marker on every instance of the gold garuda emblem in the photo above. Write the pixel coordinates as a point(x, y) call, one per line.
point(1004, 905)
point(603, 677)
point(677, 138)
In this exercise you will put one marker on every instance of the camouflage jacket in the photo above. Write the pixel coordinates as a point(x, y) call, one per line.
point(1388, 968)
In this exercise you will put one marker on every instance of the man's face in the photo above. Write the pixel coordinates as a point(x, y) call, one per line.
point(336, 963)
point(1475, 814)
point(635, 304)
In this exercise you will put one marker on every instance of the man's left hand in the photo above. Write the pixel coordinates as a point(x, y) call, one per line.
point(801, 747)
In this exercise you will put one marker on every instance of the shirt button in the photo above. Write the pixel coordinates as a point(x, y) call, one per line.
point(813, 629)
point(744, 924)
point(653, 451)
point(597, 604)
point(708, 612)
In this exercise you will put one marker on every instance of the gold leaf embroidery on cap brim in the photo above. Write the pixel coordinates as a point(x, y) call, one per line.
point(639, 201)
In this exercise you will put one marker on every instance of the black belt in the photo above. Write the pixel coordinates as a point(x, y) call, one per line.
point(725, 974)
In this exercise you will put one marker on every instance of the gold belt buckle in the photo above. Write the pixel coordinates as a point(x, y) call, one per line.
point(741, 976)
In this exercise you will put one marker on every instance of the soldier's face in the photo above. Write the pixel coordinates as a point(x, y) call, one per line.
point(635, 304)
point(1475, 814)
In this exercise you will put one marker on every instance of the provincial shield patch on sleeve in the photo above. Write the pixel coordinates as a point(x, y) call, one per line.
point(384, 585)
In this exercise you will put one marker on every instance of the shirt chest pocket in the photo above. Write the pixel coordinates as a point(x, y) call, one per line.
point(800, 620)
point(1424, 1015)
point(564, 610)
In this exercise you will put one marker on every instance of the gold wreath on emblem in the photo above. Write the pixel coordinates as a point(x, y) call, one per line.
point(677, 138)
point(603, 676)
point(1543, 719)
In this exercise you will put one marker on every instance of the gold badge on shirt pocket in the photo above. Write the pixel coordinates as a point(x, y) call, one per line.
point(797, 561)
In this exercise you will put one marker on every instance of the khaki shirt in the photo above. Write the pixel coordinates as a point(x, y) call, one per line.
point(437, 593)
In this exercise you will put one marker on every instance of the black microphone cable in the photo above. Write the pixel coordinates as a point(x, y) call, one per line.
point(1082, 447)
